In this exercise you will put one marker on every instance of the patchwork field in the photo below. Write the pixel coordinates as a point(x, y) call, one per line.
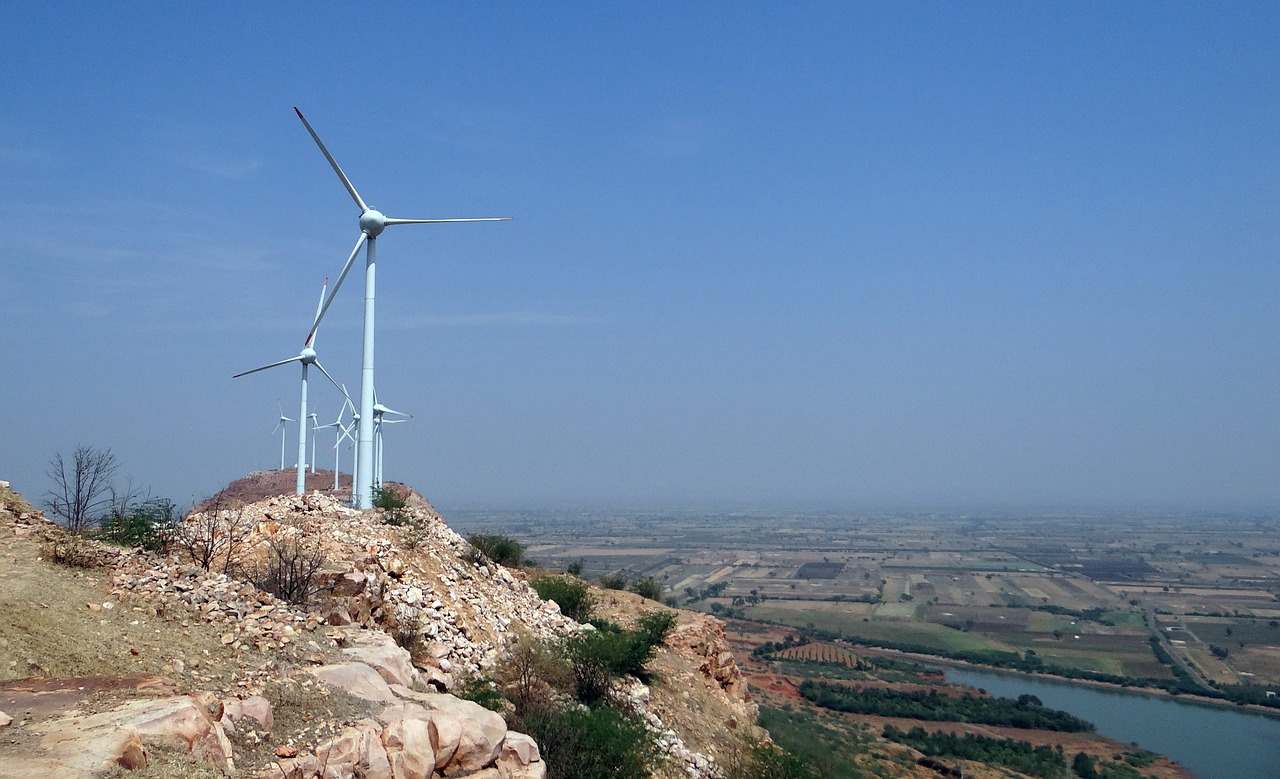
point(1073, 590)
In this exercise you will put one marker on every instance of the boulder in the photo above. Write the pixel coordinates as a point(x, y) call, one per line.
point(90, 744)
point(379, 651)
point(410, 749)
point(357, 679)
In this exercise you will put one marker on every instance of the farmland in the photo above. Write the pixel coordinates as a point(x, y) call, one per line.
point(1077, 592)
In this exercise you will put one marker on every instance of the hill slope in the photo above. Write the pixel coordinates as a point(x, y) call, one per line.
point(132, 629)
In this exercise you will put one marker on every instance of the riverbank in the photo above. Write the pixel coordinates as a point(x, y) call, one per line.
point(947, 662)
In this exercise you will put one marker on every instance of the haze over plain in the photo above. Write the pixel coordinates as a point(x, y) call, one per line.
point(779, 254)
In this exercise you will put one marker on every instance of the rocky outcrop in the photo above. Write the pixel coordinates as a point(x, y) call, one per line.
point(77, 745)
point(702, 636)
point(418, 735)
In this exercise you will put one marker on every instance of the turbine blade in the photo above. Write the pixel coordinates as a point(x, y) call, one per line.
point(386, 410)
point(331, 380)
point(391, 221)
point(263, 368)
point(338, 285)
point(319, 305)
point(346, 182)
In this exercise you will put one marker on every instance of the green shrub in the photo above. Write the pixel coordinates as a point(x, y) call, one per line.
point(393, 503)
point(602, 655)
point(614, 581)
point(599, 743)
point(503, 550)
point(647, 587)
point(483, 691)
point(575, 568)
point(570, 593)
point(656, 625)
point(148, 526)
point(757, 760)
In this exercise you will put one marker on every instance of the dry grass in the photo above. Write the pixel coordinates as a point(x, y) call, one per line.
point(167, 762)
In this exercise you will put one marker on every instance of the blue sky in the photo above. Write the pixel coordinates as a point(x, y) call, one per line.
point(763, 254)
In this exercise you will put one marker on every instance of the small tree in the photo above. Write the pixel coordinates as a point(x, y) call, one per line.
point(82, 489)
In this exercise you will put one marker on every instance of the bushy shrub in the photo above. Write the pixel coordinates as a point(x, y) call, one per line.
point(389, 498)
point(647, 587)
point(614, 581)
point(503, 550)
point(602, 655)
point(656, 625)
point(756, 760)
point(534, 673)
point(598, 743)
point(570, 593)
point(149, 526)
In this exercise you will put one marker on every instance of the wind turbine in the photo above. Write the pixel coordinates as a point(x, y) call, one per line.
point(280, 425)
point(314, 422)
point(308, 358)
point(340, 432)
point(372, 223)
point(379, 413)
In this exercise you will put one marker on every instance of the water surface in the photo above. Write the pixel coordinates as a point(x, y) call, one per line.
point(1210, 741)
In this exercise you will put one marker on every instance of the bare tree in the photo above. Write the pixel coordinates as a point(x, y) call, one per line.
point(214, 538)
point(290, 565)
point(83, 489)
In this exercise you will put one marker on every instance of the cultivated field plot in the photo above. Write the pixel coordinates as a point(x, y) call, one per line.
point(1234, 633)
point(1258, 665)
point(1205, 601)
point(822, 615)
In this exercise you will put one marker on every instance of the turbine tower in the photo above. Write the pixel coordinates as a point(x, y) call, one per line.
point(308, 358)
point(372, 223)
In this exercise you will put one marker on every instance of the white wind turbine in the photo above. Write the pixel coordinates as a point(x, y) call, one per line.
point(379, 419)
point(314, 422)
point(281, 426)
point(372, 223)
point(340, 433)
point(308, 358)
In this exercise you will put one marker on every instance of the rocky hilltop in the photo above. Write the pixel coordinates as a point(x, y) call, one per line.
point(177, 663)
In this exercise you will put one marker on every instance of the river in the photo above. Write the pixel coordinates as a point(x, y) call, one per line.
point(1211, 742)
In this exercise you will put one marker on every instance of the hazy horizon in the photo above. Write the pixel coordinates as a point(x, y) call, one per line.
point(831, 254)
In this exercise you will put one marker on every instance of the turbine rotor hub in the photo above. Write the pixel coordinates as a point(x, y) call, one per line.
point(308, 356)
point(373, 222)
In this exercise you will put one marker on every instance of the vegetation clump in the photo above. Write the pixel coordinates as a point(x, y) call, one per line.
point(148, 526)
point(570, 593)
point(1021, 756)
point(500, 549)
point(928, 705)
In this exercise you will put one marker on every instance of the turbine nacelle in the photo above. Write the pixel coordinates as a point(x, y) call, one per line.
point(372, 222)
point(307, 356)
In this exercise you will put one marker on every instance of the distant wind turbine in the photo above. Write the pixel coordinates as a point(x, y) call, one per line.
point(372, 223)
point(281, 426)
point(340, 433)
point(314, 422)
point(379, 419)
point(308, 358)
